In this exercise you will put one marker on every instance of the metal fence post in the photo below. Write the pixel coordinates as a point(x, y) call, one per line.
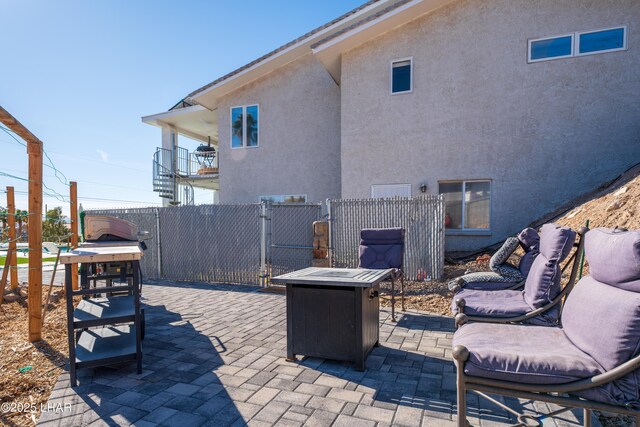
point(158, 246)
point(263, 244)
point(330, 223)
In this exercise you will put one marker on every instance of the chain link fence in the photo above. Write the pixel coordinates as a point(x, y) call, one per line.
point(421, 217)
point(241, 243)
point(211, 243)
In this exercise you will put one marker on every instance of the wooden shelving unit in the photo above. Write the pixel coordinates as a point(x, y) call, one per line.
point(106, 326)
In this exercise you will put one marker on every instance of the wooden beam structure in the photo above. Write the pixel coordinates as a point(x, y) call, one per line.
point(34, 150)
point(5, 273)
point(73, 197)
point(13, 247)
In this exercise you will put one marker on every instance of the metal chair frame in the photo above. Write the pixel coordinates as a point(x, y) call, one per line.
point(551, 393)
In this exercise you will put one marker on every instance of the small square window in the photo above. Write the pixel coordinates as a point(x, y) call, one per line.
point(551, 48)
point(401, 76)
point(601, 41)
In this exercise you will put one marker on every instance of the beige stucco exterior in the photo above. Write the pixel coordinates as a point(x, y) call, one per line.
point(543, 133)
point(299, 137)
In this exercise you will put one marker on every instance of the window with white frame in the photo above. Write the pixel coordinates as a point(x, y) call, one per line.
point(385, 191)
point(551, 48)
point(244, 126)
point(296, 198)
point(402, 75)
point(578, 44)
point(468, 204)
point(601, 41)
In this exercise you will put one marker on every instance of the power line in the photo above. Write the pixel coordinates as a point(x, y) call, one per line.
point(106, 200)
point(50, 165)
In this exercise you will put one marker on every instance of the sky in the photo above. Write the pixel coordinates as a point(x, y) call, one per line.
point(80, 75)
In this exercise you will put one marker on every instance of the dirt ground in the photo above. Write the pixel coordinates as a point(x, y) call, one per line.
point(615, 205)
point(46, 359)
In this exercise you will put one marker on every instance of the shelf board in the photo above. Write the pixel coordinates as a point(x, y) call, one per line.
point(110, 344)
point(104, 311)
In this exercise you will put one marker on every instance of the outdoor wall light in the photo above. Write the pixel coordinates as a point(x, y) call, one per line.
point(423, 188)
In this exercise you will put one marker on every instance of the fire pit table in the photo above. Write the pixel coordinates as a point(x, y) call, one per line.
point(332, 313)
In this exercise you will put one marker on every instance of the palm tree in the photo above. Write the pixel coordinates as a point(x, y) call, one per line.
point(236, 127)
point(21, 217)
point(3, 218)
point(252, 130)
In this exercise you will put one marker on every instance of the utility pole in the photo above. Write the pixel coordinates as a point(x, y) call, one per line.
point(13, 247)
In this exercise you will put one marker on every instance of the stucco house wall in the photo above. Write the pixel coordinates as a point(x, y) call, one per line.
point(299, 137)
point(543, 133)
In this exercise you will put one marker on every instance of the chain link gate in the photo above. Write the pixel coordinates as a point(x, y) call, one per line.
point(288, 237)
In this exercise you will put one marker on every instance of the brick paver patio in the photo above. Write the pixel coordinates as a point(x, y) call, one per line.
point(214, 355)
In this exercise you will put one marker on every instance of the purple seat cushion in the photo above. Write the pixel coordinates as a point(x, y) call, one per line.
point(491, 304)
point(543, 281)
point(519, 353)
point(614, 257)
point(489, 286)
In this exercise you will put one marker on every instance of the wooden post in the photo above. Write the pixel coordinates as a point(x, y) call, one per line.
point(5, 273)
point(73, 197)
point(35, 241)
point(34, 149)
point(13, 247)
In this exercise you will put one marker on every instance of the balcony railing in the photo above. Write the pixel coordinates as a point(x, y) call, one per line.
point(185, 163)
point(196, 168)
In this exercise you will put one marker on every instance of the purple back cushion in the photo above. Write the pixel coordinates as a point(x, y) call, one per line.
point(543, 281)
point(529, 239)
point(603, 321)
point(382, 236)
point(530, 243)
point(380, 256)
point(381, 248)
point(526, 262)
point(614, 257)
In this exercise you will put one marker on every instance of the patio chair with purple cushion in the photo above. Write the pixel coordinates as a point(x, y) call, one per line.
point(592, 361)
point(382, 248)
point(540, 300)
point(503, 275)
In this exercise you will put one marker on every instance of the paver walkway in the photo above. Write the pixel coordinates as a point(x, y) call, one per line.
point(214, 355)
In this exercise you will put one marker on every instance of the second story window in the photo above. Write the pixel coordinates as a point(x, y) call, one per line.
point(402, 76)
point(244, 126)
point(578, 44)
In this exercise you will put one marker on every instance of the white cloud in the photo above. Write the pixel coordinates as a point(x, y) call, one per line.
point(103, 155)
